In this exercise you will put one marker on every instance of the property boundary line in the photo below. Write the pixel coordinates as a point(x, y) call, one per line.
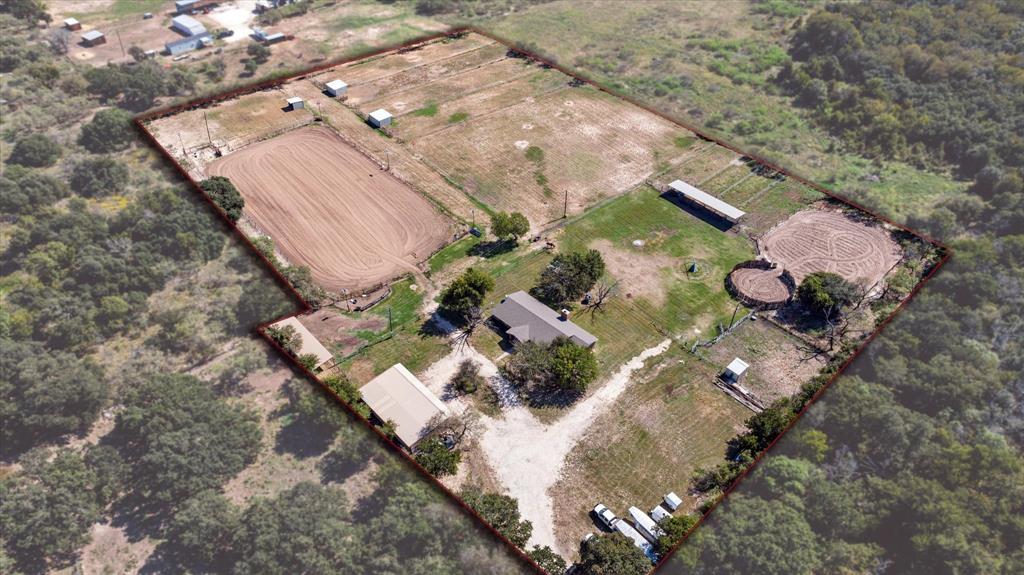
point(305, 307)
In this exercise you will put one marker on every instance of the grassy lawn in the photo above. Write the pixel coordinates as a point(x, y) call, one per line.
point(659, 433)
point(122, 9)
point(452, 252)
point(412, 346)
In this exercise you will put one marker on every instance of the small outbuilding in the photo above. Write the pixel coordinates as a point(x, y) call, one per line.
point(672, 501)
point(72, 24)
point(335, 88)
point(295, 103)
point(188, 25)
point(735, 370)
point(93, 38)
point(182, 45)
point(184, 6)
point(379, 118)
point(399, 397)
point(660, 514)
point(310, 344)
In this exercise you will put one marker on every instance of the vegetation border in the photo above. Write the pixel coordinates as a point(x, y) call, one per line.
point(304, 307)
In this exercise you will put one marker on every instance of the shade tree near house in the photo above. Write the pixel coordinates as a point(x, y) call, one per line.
point(466, 292)
point(501, 511)
point(509, 226)
point(568, 277)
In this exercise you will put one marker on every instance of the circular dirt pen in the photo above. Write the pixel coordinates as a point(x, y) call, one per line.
point(829, 241)
point(760, 285)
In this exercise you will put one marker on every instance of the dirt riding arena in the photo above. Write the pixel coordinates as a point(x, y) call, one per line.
point(761, 285)
point(331, 208)
point(828, 240)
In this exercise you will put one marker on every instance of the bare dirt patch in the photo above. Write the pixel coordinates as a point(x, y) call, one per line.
point(336, 330)
point(637, 273)
point(329, 207)
point(828, 240)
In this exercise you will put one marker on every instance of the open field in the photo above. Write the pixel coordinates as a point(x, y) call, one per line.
point(330, 208)
point(670, 422)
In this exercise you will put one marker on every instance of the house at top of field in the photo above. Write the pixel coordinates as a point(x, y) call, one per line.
point(645, 525)
point(335, 88)
point(93, 38)
point(183, 6)
point(527, 319)
point(707, 201)
point(295, 103)
point(72, 24)
point(735, 370)
point(660, 514)
point(188, 25)
point(634, 536)
point(379, 118)
point(672, 501)
point(310, 344)
point(182, 45)
point(399, 397)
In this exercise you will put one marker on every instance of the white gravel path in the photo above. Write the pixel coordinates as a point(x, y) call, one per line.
point(528, 456)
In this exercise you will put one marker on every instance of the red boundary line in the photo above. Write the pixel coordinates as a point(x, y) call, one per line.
point(141, 119)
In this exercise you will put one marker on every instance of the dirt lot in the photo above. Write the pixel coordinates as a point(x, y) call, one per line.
point(828, 240)
point(330, 208)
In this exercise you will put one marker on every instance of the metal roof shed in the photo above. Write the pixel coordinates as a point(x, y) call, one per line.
point(707, 201)
point(310, 344)
point(660, 514)
point(736, 368)
point(93, 38)
point(398, 396)
point(295, 103)
point(380, 118)
point(72, 24)
point(336, 87)
point(187, 25)
point(672, 501)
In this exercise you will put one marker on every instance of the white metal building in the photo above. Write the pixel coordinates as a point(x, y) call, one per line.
point(707, 201)
point(735, 370)
point(93, 38)
point(295, 103)
point(660, 514)
point(187, 25)
point(310, 344)
point(379, 118)
point(672, 501)
point(336, 88)
point(645, 525)
point(398, 396)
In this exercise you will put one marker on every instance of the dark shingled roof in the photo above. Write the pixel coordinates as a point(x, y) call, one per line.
point(530, 320)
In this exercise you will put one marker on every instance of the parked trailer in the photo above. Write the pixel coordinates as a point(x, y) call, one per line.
point(645, 525)
point(633, 535)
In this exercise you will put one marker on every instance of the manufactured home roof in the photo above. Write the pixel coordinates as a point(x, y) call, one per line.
point(707, 200)
point(530, 320)
point(738, 366)
point(188, 24)
point(310, 344)
point(398, 396)
point(336, 84)
point(380, 114)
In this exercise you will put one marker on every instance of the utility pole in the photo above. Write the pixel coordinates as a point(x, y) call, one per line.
point(118, 32)
point(389, 320)
point(182, 142)
point(565, 206)
point(387, 157)
point(735, 309)
point(207, 121)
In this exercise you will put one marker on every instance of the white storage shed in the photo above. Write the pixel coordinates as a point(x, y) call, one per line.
point(336, 88)
point(379, 118)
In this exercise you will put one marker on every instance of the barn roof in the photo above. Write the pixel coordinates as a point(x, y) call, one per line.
point(310, 344)
point(92, 35)
point(530, 320)
point(398, 396)
point(708, 201)
point(336, 84)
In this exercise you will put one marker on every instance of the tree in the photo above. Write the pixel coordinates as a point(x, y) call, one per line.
point(24, 193)
point(35, 150)
point(502, 512)
point(348, 392)
point(45, 394)
point(548, 560)
point(202, 531)
point(467, 378)
point(613, 555)
point(308, 360)
point(225, 195)
point(436, 458)
point(466, 291)
point(99, 176)
point(505, 225)
point(305, 529)
point(287, 337)
point(675, 529)
point(569, 276)
point(110, 130)
point(46, 511)
point(31, 11)
point(826, 292)
point(137, 53)
point(258, 53)
point(181, 439)
point(572, 366)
